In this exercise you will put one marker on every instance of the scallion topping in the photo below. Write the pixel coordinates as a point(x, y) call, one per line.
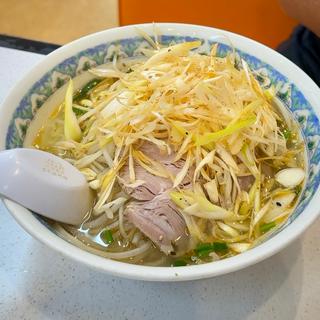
point(106, 236)
point(204, 249)
point(267, 226)
point(179, 263)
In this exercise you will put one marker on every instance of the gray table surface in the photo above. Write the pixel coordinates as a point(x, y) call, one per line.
point(38, 283)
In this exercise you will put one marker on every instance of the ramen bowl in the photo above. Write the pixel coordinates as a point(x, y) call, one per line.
point(295, 89)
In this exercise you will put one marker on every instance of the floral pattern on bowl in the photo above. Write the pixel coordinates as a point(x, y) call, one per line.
point(288, 93)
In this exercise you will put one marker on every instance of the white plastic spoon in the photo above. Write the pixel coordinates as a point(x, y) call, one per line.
point(45, 184)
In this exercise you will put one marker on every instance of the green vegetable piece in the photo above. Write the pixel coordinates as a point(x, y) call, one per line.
point(298, 190)
point(203, 249)
point(220, 246)
point(106, 236)
point(82, 94)
point(84, 91)
point(310, 145)
point(179, 263)
point(287, 134)
point(204, 246)
point(78, 112)
point(267, 226)
point(204, 253)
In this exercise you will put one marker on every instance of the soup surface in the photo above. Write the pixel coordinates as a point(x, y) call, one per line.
point(191, 157)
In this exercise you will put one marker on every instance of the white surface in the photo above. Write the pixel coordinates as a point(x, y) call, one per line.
point(37, 283)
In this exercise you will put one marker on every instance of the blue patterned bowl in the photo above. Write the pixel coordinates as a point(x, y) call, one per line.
point(296, 90)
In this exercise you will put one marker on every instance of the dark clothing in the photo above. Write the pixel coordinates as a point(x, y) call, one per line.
point(303, 48)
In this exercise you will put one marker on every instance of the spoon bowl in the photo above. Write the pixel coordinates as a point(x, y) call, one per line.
point(45, 184)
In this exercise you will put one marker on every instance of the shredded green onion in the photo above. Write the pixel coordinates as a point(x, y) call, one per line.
point(230, 129)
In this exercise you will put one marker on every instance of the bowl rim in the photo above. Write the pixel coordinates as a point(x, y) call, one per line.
point(38, 230)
